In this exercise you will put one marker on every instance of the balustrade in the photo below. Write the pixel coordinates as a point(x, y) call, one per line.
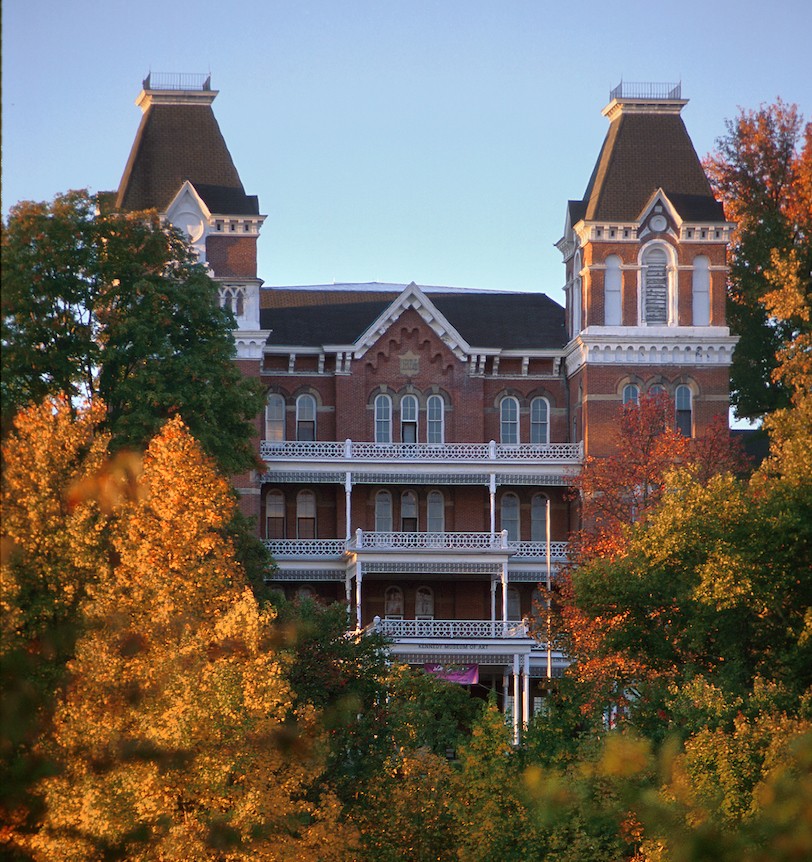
point(452, 629)
point(305, 547)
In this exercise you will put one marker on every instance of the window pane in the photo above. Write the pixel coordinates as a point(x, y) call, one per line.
point(539, 432)
point(408, 512)
point(682, 399)
point(510, 516)
point(383, 419)
point(509, 410)
point(305, 417)
point(701, 292)
point(631, 394)
point(514, 605)
point(436, 512)
point(612, 289)
point(538, 518)
point(435, 410)
point(275, 418)
point(383, 511)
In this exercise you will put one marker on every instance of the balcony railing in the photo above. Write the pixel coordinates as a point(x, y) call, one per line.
point(646, 90)
point(452, 629)
point(350, 450)
point(375, 540)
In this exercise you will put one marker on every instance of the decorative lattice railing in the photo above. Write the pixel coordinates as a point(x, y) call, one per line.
point(452, 629)
point(538, 550)
point(282, 548)
point(350, 450)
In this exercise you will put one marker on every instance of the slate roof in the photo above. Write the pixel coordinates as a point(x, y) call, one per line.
point(312, 317)
point(641, 153)
point(175, 143)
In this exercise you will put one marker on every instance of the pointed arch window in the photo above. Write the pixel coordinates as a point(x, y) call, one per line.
point(305, 515)
point(538, 518)
point(383, 419)
point(408, 512)
point(684, 410)
point(510, 516)
point(613, 313)
point(393, 603)
point(306, 418)
point(424, 604)
point(408, 419)
point(436, 512)
point(539, 421)
point(383, 512)
point(655, 286)
point(275, 515)
point(435, 420)
point(701, 291)
point(275, 418)
point(509, 420)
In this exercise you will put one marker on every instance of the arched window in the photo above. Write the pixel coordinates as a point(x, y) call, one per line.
point(539, 421)
point(613, 309)
point(383, 512)
point(684, 411)
point(275, 418)
point(701, 292)
point(435, 415)
point(509, 420)
point(510, 516)
point(305, 417)
point(656, 389)
point(275, 515)
point(424, 604)
point(305, 515)
point(538, 518)
point(383, 419)
point(631, 394)
point(655, 286)
point(408, 512)
point(393, 603)
point(408, 419)
point(436, 512)
point(514, 604)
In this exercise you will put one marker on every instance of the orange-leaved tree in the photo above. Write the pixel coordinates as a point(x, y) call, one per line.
point(177, 736)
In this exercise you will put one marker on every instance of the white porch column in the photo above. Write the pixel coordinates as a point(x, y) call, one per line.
point(526, 691)
point(492, 491)
point(493, 600)
point(348, 503)
point(348, 591)
point(358, 581)
point(504, 591)
point(549, 602)
point(516, 699)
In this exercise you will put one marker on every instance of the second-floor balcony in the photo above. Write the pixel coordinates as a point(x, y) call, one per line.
point(355, 452)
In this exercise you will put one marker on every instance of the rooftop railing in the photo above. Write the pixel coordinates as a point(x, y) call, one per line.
point(177, 81)
point(645, 90)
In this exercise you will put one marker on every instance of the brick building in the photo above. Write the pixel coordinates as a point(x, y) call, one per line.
point(419, 440)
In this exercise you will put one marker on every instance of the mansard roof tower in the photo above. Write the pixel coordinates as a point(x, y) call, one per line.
point(180, 165)
point(645, 256)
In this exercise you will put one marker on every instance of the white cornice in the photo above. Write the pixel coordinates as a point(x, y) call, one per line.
point(696, 346)
point(250, 344)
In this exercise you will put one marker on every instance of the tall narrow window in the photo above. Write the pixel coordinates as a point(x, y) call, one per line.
point(436, 512)
point(538, 518)
point(306, 515)
point(575, 305)
point(383, 512)
point(510, 516)
point(275, 515)
point(393, 603)
point(682, 402)
point(509, 420)
point(701, 292)
point(613, 314)
point(408, 419)
point(539, 421)
point(383, 419)
point(275, 418)
point(305, 417)
point(631, 394)
point(408, 512)
point(424, 604)
point(514, 604)
point(435, 410)
point(655, 286)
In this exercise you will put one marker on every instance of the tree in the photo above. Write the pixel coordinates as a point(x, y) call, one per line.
point(177, 735)
point(762, 172)
point(110, 305)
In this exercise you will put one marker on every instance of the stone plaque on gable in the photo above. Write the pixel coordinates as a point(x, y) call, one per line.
point(409, 364)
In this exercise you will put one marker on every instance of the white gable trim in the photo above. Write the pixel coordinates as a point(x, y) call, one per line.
point(661, 198)
point(413, 297)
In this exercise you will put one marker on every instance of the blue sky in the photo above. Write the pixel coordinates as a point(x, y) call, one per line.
point(393, 141)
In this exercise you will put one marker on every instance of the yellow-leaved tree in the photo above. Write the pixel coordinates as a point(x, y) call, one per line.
point(177, 736)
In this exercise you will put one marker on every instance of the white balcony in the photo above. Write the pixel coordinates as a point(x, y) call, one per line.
point(387, 453)
point(452, 630)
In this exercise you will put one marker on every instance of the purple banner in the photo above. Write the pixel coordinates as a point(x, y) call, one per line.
point(464, 674)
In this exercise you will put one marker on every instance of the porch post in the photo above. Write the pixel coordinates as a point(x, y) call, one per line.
point(492, 490)
point(348, 591)
point(358, 580)
point(549, 599)
point(348, 503)
point(516, 699)
point(526, 692)
point(493, 600)
point(504, 591)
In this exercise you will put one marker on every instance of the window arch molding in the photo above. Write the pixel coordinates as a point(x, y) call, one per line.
point(657, 284)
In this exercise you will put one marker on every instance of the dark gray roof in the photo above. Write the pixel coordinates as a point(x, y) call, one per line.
point(310, 317)
point(641, 153)
point(175, 143)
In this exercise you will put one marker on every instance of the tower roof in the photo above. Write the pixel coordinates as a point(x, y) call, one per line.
point(646, 148)
point(179, 139)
